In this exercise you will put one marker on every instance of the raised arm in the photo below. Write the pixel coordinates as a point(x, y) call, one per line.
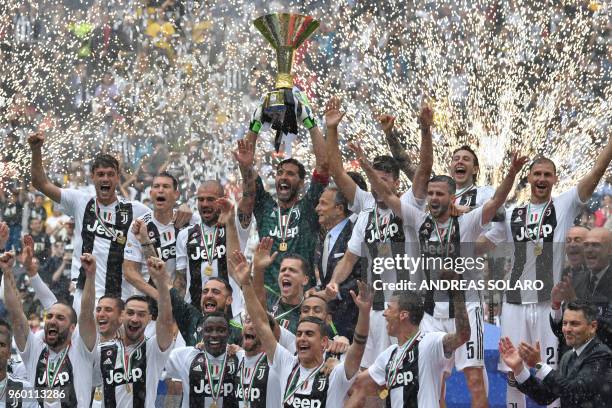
point(587, 185)
point(165, 337)
point(333, 116)
point(255, 309)
point(397, 150)
point(31, 265)
point(262, 259)
point(306, 115)
point(423, 170)
point(501, 194)
point(132, 269)
point(226, 218)
point(382, 190)
point(87, 325)
point(355, 351)
point(245, 156)
point(39, 177)
point(4, 234)
point(21, 329)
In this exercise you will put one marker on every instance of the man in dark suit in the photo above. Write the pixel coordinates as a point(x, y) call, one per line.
point(334, 215)
point(597, 286)
point(576, 268)
point(583, 377)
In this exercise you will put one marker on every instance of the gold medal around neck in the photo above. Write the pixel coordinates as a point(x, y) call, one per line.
point(214, 404)
point(282, 247)
point(537, 250)
point(128, 388)
point(208, 270)
point(121, 240)
point(383, 394)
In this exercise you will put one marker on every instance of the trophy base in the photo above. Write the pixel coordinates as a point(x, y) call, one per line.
point(279, 111)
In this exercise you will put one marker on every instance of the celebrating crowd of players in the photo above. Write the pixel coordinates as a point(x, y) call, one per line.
point(303, 322)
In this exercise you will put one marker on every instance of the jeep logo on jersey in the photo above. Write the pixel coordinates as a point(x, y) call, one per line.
point(167, 252)
point(388, 231)
point(404, 379)
point(204, 387)
point(200, 253)
point(253, 393)
point(526, 233)
point(104, 232)
point(119, 377)
point(434, 248)
point(61, 380)
point(291, 232)
point(305, 402)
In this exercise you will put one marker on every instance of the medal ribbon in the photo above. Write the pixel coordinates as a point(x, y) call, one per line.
point(126, 359)
point(215, 394)
point(447, 235)
point(464, 190)
point(243, 376)
point(275, 308)
point(3, 385)
point(110, 232)
point(285, 227)
point(527, 217)
point(399, 359)
point(210, 251)
point(57, 367)
point(294, 386)
point(377, 225)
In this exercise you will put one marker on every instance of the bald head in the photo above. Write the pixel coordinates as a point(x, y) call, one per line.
point(208, 193)
point(597, 248)
point(574, 241)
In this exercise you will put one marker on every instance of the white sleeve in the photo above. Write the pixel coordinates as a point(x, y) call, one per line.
point(42, 291)
point(471, 225)
point(568, 203)
point(484, 194)
point(283, 359)
point(181, 250)
point(287, 340)
point(81, 348)
point(139, 209)
point(411, 215)
point(177, 365)
point(133, 249)
point(243, 233)
point(408, 198)
point(70, 200)
point(500, 233)
point(156, 358)
point(355, 244)
point(432, 347)
point(377, 370)
point(31, 352)
point(362, 201)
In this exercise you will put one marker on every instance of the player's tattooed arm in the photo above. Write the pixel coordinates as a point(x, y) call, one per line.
point(245, 156)
point(453, 341)
point(180, 281)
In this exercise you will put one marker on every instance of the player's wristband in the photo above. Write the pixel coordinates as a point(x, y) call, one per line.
point(309, 123)
point(359, 339)
point(255, 126)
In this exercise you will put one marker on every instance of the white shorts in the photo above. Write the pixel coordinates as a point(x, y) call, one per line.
point(529, 323)
point(378, 338)
point(470, 354)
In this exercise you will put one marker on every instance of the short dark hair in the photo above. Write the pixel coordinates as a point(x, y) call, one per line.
point(306, 269)
point(9, 329)
point(139, 298)
point(170, 176)
point(339, 199)
point(412, 303)
point(358, 179)
point(588, 309)
point(473, 153)
point(73, 315)
point(215, 314)
point(542, 160)
point(452, 186)
point(311, 319)
point(104, 160)
point(316, 295)
point(118, 301)
point(300, 166)
point(225, 283)
point(387, 164)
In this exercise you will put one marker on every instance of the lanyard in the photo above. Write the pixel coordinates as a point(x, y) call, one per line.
point(242, 370)
point(126, 359)
point(293, 383)
point(445, 245)
point(399, 359)
point(53, 372)
point(284, 227)
point(108, 230)
point(210, 251)
point(381, 236)
point(464, 190)
point(275, 308)
point(215, 394)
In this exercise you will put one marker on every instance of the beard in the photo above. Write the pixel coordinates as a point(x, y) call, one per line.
point(60, 338)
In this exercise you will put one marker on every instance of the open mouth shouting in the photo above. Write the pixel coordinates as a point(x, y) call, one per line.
point(283, 189)
point(52, 334)
point(460, 171)
point(286, 286)
point(210, 305)
point(541, 187)
point(303, 347)
point(103, 325)
point(133, 329)
point(105, 188)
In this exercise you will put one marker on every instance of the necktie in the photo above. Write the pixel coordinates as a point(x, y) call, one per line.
point(592, 283)
point(325, 255)
point(570, 362)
